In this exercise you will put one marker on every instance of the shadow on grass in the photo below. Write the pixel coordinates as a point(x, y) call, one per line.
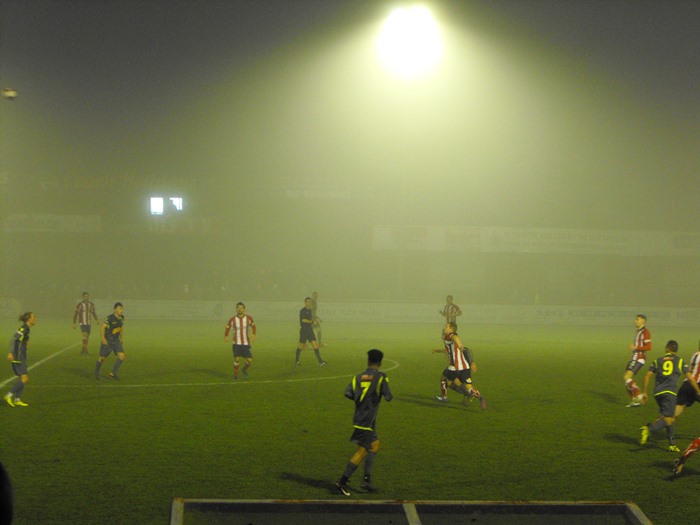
point(310, 482)
point(429, 401)
point(292, 372)
point(686, 473)
point(625, 440)
point(211, 372)
point(681, 436)
point(102, 390)
point(606, 396)
point(89, 374)
point(87, 371)
point(318, 483)
point(308, 370)
point(667, 468)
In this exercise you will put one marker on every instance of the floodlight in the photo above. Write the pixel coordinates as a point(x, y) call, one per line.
point(177, 202)
point(156, 205)
point(410, 43)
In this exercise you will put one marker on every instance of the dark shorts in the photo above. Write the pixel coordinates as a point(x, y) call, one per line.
point(111, 347)
point(464, 376)
point(85, 328)
point(634, 366)
point(686, 395)
point(448, 374)
point(364, 438)
point(667, 404)
point(242, 351)
point(306, 333)
point(20, 369)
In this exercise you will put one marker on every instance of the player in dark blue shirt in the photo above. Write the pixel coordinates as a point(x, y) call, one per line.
point(18, 357)
point(306, 332)
point(112, 338)
point(366, 389)
point(666, 370)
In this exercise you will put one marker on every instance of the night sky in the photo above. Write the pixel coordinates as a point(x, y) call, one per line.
point(272, 121)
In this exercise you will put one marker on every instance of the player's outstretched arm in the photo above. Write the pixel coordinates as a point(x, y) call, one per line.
point(694, 384)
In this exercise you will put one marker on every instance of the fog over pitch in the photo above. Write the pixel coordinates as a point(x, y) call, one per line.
point(553, 155)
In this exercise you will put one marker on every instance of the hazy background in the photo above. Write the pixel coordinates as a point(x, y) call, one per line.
point(304, 166)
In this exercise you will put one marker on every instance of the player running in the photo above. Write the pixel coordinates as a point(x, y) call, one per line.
point(667, 369)
point(640, 347)
point(686, 394)
point(686, 397)
point(458, 374)
point(679, 463)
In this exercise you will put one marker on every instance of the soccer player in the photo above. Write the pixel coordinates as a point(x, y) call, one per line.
point(19, 344)
point(686, 394)
point(112, 340)
point(306, 332)
point(679, 463)
point(458, 374)
point(84, 314)
point(366, 389)
point(316, 319)
point(243, 336)
point(640, 347)
point(450, 311)
point(667, 369)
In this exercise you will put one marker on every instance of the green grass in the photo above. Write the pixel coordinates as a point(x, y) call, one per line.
point(176, 426)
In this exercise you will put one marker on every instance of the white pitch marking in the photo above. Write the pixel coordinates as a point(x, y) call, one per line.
point(39, 363)
point(105, 384)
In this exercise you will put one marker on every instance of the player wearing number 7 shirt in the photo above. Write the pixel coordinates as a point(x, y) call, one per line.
point(366, 389)
point(243, 336)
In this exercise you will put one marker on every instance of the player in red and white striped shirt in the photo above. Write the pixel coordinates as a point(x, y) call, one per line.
point(640, 347)
point(450, 311)
point(243, 336)
point(680, 462)
point(458, 374)
point(686, 393)
point(84, 314)
point(686, 397)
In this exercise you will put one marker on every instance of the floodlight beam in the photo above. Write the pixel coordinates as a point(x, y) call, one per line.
point(410, 43)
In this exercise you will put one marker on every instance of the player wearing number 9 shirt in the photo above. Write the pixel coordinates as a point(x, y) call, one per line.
point(666, 370)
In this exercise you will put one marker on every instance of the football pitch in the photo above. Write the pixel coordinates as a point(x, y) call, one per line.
point(177, 425)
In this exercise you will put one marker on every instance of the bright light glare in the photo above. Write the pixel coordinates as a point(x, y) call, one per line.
point(177, 202)
point(410, 43)
point(156, 205)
